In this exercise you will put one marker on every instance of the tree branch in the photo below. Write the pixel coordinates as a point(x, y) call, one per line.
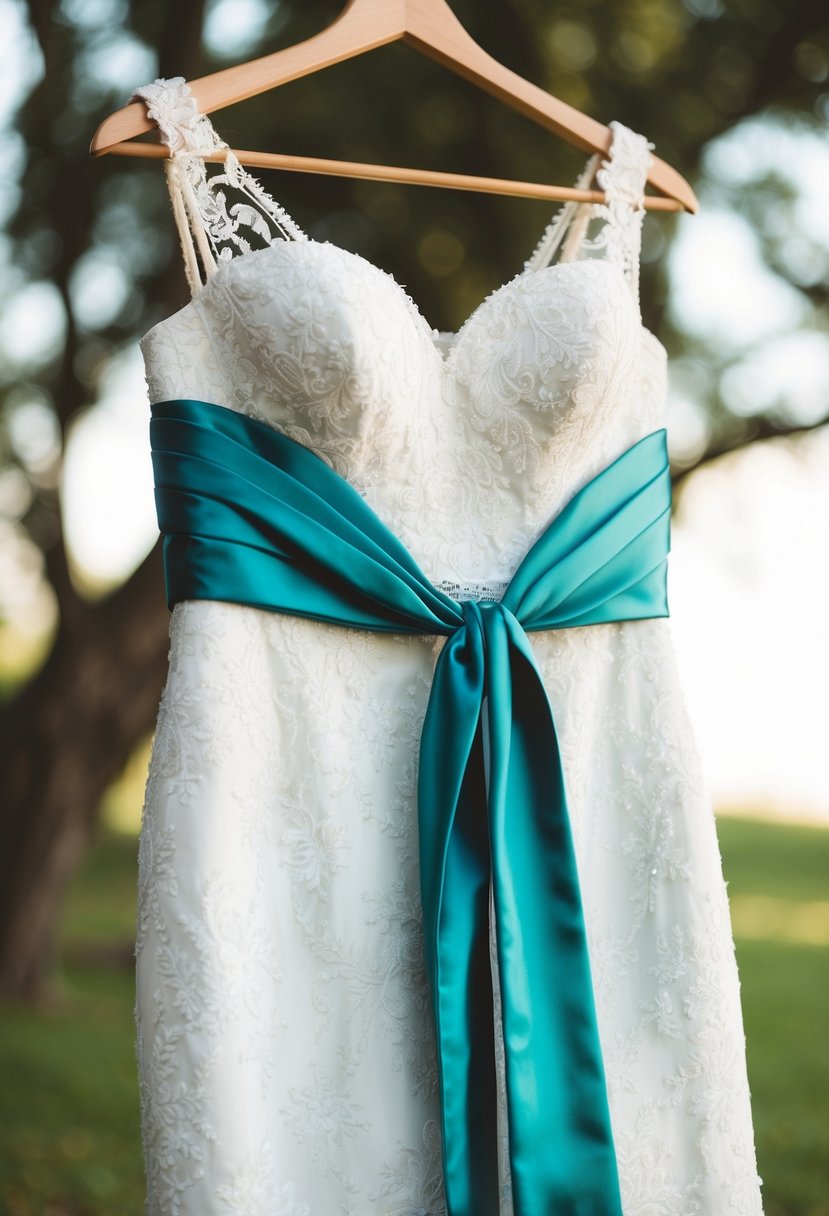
point(760, 429)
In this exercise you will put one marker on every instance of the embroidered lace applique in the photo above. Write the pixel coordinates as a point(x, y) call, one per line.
point(200, 203)
point(491, 592)
point(622, 177)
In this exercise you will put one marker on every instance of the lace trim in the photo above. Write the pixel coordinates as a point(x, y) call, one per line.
point(622, 177)
point(206, 222)
point(492, 592)
point(551, 238)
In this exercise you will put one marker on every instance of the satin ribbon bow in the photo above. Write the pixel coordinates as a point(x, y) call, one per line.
point(253, 517)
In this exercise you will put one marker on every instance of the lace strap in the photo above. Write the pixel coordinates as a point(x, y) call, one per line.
point(622, 177)
point(568, 216)
point(210, 228)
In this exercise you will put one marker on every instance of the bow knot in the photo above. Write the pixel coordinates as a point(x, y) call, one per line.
point(480, 616)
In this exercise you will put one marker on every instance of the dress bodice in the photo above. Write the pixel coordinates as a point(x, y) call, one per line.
point(464, 444)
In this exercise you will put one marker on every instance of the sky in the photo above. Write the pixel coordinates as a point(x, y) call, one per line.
point(749, 568)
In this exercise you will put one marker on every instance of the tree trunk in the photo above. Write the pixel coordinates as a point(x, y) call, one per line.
point(69, 732)
point(63, 740)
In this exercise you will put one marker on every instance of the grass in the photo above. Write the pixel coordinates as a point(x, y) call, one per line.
point(778, 878)
point(69, 1130)
point(69, 1134)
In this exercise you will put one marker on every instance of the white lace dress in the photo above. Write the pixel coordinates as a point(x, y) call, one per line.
point(284, 1036)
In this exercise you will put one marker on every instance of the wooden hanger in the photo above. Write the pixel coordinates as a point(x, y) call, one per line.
point(430, 27)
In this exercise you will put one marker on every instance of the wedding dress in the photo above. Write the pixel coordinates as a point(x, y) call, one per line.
point(285, 1042)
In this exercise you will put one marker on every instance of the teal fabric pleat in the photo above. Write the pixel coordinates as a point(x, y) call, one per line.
point(253, 517)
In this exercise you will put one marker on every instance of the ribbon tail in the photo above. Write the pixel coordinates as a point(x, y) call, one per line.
point(562, 1155)
point(455, 882)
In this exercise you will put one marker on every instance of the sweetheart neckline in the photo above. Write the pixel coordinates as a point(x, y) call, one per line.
point(432, 333)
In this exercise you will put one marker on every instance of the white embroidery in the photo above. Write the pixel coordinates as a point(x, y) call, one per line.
point(198, 200)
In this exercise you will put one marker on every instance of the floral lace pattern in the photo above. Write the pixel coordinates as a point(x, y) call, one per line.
point(203, 216)
point(622, 179)
point(286, 1053)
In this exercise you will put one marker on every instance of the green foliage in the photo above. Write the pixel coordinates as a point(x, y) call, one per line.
point(69, 1130)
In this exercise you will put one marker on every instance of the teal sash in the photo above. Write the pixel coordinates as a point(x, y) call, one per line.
point(251, 516)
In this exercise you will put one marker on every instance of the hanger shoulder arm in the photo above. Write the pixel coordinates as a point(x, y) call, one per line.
point(454, 49)
point(360, 27)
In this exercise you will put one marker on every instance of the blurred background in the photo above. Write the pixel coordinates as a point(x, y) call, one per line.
point(735, 94)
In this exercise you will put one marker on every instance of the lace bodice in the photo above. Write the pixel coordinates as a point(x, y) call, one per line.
point(465, 444)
